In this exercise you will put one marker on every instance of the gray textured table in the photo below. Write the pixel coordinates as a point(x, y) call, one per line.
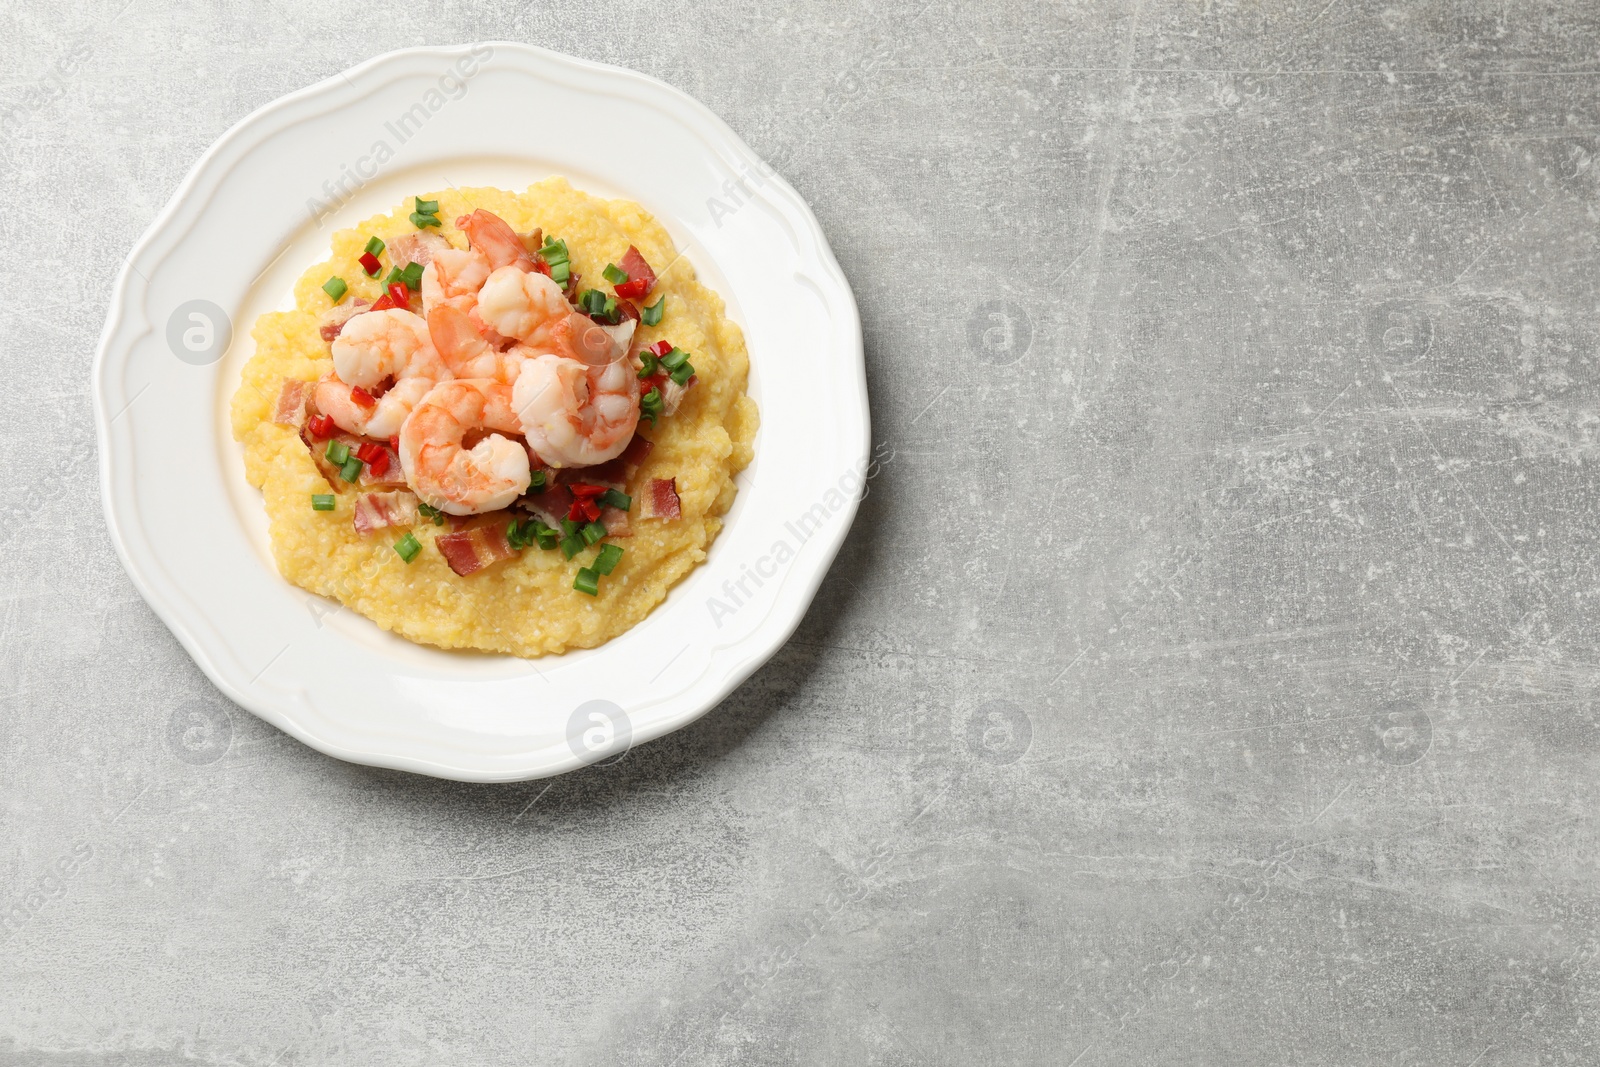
point(1210, 675)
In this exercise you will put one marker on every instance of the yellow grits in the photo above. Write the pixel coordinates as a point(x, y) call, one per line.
point(525, 606)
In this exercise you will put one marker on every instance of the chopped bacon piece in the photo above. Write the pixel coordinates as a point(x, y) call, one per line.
point(383, 469)
point(473, 549)
point(615, 474)
point(291, 409)
point(615, 520)
point(416, 247)
point(377, 510)
point(661, 500)
point(672, 394)
point(333, 320)
point(641, 279)
point(551, 505)
point(533, 241)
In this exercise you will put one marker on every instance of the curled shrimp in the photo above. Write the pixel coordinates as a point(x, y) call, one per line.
point(442, 470)
point(531, 308)
point(375, 345)
point(382, 417)
point(576, 414)
point(467, 352)
point(454, 276)
point(493, 236)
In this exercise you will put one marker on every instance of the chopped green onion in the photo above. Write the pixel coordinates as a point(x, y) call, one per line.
point(351, 470)
point(607, 560)
point(651, 315)
point(408, 547)
point(647, 365)
point(587, 581)
point(514, 534)
point(412, 276)
point(614, 274)
point(571, 546)
point(321, 501)
point(422, 222)
point(561, 273)
point(650, 405)
point(675, 358)
point(431, 513)
point(569, 527)
point(615, 498)
point(374, 246)
point(335, 288)
point(554, 251)
point(599, 306)
point(394, 276)
point(592, 532)
point(536, 482)
point(337, 453)
point(427, 207)
point(544, 535)
point(683, 374)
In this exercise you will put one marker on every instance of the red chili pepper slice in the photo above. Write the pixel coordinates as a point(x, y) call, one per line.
point(400, 294)
point(369, 451)
point(394, 442)
point(370, 264)
point(321, 426)
point(379, 464)
point(383, 303)
point(583, 491)
point(363, 398)
point(660, 348)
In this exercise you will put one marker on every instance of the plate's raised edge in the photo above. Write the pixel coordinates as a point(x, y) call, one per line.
point(749, 654)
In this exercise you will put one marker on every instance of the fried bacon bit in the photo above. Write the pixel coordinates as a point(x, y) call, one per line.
point(661, 500)
point(672, 394)
point(532, 242)
point(614, 474)
point(383, 468)
point(552, 505)
point(473, 549)
point(333, 320)
point(374, 511)
point(416, 247)
point(291, 410)
point(615, 520)
point(641, 279)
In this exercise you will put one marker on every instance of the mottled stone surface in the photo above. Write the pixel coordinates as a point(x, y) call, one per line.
point(1210, 677)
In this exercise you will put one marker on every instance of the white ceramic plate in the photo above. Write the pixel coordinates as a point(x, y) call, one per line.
point(260, 207)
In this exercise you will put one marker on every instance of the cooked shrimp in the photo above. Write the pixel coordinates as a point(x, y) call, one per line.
point(381, 418)
point(493, 236)
point(380, 344)
point(453, 276)
point(467, 352)
point(575, 414)
point(446, 474)
point(531, 308)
